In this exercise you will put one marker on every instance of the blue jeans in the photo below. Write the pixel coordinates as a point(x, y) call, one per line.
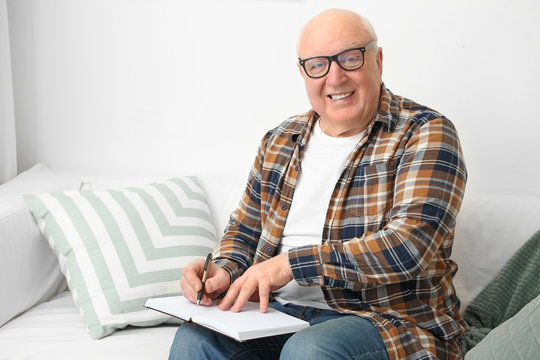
point(332, 335)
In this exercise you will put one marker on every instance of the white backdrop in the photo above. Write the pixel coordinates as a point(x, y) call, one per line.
point(8, 150)
point(193, 85)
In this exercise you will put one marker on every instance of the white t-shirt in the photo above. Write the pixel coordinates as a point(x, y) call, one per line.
point(322, 162)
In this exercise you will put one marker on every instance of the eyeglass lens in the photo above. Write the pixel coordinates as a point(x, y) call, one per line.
point(348, 60)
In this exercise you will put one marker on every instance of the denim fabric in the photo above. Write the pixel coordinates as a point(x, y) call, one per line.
point(332, 335)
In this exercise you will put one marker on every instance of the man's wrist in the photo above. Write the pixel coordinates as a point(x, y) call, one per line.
point(230, 267)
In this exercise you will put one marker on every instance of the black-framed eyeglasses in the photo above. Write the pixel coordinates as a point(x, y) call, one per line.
point(351, 59)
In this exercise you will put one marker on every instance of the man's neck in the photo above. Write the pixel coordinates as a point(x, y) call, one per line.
point(341, 130)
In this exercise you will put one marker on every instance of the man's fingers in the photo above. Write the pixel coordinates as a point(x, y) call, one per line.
point(257, 282)
point(187, 290)
point(264, 298)
point(217, 282)
point(247, 289)
point(216, 285)
point(232, 294)
point(192, 273)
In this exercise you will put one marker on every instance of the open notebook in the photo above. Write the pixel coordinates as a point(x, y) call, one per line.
point(247, 324)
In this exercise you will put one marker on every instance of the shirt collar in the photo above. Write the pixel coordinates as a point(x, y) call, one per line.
point(386, 112)
point(304, 127)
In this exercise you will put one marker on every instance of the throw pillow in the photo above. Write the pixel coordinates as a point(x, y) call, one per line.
point(516, 338)
point(119, 247)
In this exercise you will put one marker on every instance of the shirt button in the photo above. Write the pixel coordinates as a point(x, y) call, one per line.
point(268, 249)
point(297, 168)
point(284, 207)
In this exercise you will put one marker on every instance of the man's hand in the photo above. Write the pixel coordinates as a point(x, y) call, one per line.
point(217, 281)
point(258, 281)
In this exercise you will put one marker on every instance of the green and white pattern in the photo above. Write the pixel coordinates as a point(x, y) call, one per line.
point(118, 248)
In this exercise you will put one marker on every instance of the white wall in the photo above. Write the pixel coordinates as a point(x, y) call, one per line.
point(193, 85)
point(8, 148)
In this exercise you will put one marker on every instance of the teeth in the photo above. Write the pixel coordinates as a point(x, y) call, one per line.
point(340, 96)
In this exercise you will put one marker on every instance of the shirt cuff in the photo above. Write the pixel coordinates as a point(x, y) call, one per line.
point(305, 265)
point(231, 267)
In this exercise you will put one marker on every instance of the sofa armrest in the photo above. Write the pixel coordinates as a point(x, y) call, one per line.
point(490, 229)
point(29, 271)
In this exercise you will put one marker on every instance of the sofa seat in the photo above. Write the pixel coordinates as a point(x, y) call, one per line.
point(54, 330)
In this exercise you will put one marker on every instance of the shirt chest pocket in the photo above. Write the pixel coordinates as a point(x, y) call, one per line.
point(370, 194)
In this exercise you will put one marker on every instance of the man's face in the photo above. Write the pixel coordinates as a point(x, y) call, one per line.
point(346, 100)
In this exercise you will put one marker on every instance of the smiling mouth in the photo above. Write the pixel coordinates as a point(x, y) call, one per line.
point(340, 96)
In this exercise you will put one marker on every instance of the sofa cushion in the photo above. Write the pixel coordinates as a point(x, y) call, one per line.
point(53, 330)
point(517, 338)
point(119, 247)
point(223, 192)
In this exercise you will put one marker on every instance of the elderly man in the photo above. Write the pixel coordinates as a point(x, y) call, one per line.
point(347, 219)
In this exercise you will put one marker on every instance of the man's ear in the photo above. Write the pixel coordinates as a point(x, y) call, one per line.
point(300, 69)
point(380, 61)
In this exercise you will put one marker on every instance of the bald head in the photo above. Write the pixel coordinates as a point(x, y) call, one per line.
point(339, 22)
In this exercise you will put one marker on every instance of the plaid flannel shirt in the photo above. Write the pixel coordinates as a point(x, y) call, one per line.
point(389, 228)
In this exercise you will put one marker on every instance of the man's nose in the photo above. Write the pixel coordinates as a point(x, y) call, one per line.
point(336, 75)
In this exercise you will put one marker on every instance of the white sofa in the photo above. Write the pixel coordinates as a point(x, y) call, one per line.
point(38, 317)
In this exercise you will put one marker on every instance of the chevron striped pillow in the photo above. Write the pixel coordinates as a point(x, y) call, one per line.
point(118, 248)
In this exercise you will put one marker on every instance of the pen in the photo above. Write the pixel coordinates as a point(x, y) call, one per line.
point(205, 273)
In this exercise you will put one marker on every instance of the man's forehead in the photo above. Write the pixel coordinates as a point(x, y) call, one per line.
point(326, 35)
point(329, 45)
